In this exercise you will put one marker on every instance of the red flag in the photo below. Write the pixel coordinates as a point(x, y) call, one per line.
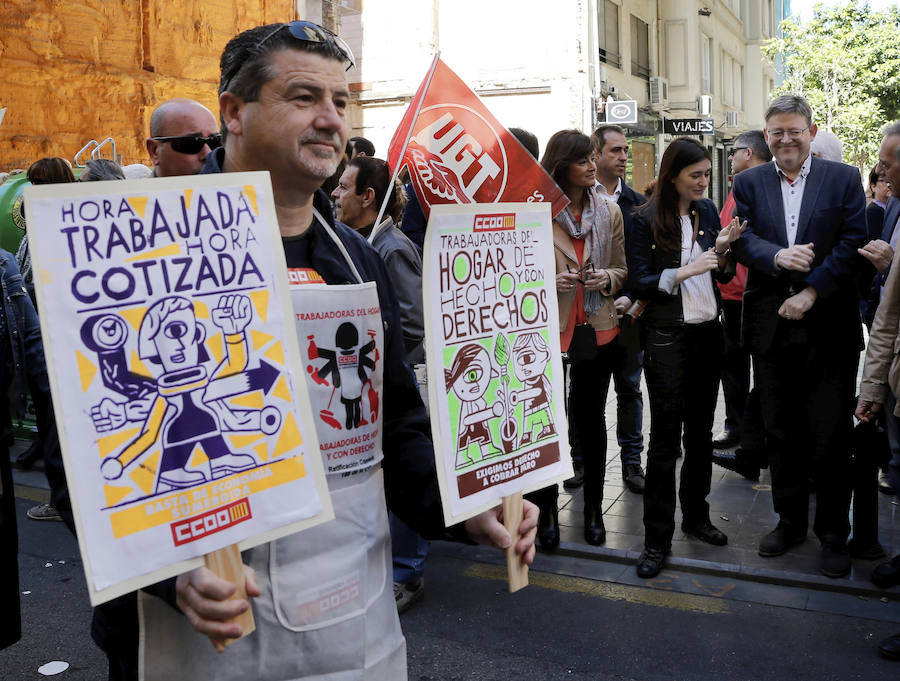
point(457, 152)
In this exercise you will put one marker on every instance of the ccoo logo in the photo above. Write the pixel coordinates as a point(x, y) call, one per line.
point(205, 524)
point(458, 155)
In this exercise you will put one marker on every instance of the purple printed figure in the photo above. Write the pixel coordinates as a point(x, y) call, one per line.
point(181, 413)
point(469, 377)
point(106, 334)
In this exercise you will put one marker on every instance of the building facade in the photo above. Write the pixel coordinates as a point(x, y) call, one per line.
point(548, 66)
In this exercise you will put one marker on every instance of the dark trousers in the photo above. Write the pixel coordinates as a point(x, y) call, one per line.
point(735, 368)
point(115, 629)
point(807, 397)
point(629, 401)
point(589, 387)
point(682, 366)
point(10, 624)
point(574, 445)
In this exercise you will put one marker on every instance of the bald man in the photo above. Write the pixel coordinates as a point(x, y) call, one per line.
point(182, 133)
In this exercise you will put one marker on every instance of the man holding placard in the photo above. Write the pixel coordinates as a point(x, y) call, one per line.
point(323, 609)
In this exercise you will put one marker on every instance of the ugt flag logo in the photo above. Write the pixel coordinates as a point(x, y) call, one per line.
point(457, 152)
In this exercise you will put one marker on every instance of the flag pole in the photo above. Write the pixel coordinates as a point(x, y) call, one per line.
point(396, 171)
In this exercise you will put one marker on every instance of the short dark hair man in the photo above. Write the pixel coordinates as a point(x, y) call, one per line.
point(528, 140)
point(357, 200)
point(611, 156)
point(748, 150)
point(806, 220)
point(283, 100)
point(182, 133)
point(359, 146)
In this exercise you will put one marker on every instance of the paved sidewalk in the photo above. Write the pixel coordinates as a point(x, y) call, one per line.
point(740, 508)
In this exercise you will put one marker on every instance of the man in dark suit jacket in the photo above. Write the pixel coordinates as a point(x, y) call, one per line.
point(611, 155)
point(806, 220)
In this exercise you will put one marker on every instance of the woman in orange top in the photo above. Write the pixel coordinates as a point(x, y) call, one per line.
point(589, 245)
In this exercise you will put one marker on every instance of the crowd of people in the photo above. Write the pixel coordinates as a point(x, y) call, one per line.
point(766, 296)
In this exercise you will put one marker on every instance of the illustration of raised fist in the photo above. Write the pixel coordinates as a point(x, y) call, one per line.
point(108, 415)
point(232, 314)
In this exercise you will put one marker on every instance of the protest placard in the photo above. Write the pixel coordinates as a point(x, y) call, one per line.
point(492, 342)
point(175, 369)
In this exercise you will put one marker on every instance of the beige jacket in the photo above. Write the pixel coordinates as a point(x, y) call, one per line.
point(882, 368)
point(605, 318)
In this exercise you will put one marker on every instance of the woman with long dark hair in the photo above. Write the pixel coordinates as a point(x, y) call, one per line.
point(589, 247)
point(675, 249)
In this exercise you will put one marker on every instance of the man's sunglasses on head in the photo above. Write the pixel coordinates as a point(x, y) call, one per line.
point(191, 144)
point(304, 31)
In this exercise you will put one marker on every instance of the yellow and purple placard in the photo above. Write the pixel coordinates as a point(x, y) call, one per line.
point(175, 369)
point(496, 387)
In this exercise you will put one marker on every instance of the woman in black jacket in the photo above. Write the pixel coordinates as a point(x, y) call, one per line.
point(674, 251)
point(22, 370)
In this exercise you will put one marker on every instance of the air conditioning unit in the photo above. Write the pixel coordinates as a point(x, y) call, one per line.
point(659, 93)
point(732, 119)
point(704, 105)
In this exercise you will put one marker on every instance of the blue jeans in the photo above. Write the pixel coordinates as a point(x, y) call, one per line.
point(409, 551)
point(629, 402)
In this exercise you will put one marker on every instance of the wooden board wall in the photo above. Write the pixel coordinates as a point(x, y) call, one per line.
point(72, 71)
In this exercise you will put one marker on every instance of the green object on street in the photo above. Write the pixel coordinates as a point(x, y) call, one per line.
point(12, 212)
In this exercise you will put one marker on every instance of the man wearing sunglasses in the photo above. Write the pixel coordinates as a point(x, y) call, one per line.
point(323, 603)
point(182, 133)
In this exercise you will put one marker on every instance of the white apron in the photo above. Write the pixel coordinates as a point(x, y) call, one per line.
point(326, 611)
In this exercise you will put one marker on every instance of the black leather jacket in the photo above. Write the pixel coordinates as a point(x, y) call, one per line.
point(647, 260)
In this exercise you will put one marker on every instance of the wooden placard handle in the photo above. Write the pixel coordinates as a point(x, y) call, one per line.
point(516, 568)
point(227, 564)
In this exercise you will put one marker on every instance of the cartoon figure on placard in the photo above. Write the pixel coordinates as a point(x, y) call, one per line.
point(531, 354)
point(468, 377)
point(184, 413)
point(106, 334)
point(350, 368)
